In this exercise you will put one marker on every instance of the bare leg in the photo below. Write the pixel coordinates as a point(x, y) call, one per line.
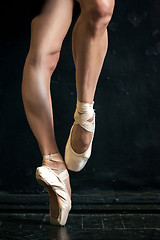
point(47, 33)
point(89, 45)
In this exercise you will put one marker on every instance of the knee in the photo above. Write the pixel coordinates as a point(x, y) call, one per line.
point(100, 13)
point(40, 55)
point(43, 61)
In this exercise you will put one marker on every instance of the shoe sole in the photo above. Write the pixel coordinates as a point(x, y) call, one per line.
point(54, 209)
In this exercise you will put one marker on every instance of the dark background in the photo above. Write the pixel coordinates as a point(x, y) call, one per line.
point(126, 148)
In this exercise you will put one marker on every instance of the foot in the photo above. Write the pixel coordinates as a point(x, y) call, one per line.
point(59, 166)
point(80, 138)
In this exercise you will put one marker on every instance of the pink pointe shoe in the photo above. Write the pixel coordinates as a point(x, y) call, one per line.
point(73, 160)
point(60, 201)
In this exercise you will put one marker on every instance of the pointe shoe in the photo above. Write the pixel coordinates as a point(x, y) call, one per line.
point(60, 201)
point(75, 161)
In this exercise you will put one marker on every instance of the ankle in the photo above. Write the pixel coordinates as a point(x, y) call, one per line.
point(47, 152)
point(85, 100)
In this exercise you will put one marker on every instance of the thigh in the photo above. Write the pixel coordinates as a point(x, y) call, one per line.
point(49, 28)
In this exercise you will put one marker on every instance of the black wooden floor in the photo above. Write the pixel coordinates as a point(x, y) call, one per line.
point(109, 216)
point(33, 226)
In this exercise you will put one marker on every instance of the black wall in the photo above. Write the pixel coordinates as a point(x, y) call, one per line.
point(126, 147)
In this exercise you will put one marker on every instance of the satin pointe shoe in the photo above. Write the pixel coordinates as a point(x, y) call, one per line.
point(60, 201)
point(75, 161)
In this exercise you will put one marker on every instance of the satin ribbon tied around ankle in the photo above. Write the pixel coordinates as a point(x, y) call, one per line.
point(85, 111)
